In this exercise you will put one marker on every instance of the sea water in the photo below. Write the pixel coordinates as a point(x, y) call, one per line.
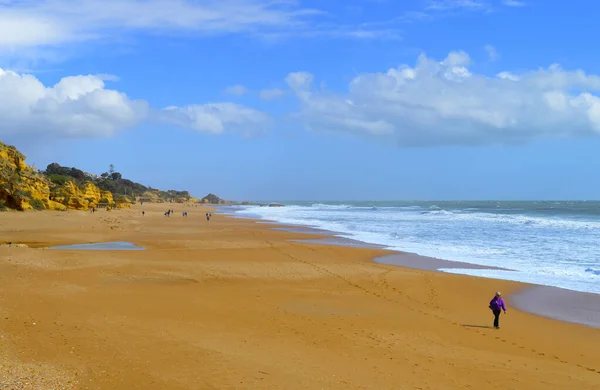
point(547, 243)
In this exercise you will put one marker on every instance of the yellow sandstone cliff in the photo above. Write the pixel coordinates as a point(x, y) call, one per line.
point(23, 188)
point(81, 198)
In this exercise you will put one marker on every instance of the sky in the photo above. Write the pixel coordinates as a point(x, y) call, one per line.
point(310, 100)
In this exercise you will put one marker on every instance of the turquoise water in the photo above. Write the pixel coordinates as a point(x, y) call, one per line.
point(548, 243)
point(101, 246)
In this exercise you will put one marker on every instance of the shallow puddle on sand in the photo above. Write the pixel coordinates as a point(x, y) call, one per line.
point(101, 246)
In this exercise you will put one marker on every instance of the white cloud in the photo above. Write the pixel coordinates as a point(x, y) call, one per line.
point(301, 83)
point(50, 23)
point(78, 106)
point(438, 9)
point(271, 94)
point(491, 52)
point(507, 76)
point(513, 3)
point(82, 107)
point(442, 102)
point(216, 118)
point(236, 90)
point(457, 4)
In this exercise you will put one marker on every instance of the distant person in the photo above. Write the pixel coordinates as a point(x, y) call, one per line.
point(497, 305)
point(207, 217)
point(143, 213)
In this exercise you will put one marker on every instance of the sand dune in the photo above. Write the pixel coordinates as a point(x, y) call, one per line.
point(231, 304)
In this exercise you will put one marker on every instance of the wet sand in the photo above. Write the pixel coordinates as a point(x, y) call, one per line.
point(560, 304)
point(552, 302)
point(412, 260)
point(234, 304)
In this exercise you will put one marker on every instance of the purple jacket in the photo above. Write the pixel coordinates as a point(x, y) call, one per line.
point(497, 303)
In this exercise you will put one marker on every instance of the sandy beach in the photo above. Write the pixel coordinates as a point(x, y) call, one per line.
point(234, 304)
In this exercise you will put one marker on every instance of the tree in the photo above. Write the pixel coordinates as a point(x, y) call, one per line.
point(104, 175)
point(77, 174)
point(115, 176)
point(111, 169)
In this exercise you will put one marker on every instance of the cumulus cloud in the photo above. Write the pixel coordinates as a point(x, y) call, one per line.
point(78, 106)
point(443, 102)
point(271, 94)
point(236, 90)
point(216, 118)
point(82, 107)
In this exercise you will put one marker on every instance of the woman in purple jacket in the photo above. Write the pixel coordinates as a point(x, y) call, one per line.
point(497, 304)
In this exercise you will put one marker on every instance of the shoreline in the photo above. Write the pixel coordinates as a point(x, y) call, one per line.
point(231, 303)
point(550, 302)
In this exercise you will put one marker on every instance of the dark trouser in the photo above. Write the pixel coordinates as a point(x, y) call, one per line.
point(496, 318)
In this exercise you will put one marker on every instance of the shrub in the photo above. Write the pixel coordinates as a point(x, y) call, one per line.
point(3, 206)
point(37, 204)
point(119, 197)
point(59, 179)
point(22, 194)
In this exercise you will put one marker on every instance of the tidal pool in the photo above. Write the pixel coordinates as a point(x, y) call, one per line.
point(102, 246)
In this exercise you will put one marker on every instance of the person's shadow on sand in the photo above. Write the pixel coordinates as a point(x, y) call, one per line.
point(476, 326)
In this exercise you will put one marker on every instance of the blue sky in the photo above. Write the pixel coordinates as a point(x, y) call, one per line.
point(307, 100)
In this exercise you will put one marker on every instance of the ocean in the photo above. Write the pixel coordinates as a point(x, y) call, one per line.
point(547, 243)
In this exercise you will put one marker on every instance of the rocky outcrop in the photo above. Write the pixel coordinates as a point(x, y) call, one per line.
point(82, 197)
point(212, 199)
point(21, 186)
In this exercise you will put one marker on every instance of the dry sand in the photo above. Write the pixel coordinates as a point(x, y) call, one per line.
point(232, 304)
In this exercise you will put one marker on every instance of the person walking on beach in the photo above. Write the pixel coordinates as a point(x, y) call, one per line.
point(497, 304)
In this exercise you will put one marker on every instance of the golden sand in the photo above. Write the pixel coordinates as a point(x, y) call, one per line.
point(231, 304)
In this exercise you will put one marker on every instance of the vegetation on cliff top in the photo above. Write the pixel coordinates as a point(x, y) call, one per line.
point(23, 187)
point(111, 181)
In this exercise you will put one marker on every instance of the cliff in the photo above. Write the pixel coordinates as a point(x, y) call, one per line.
point(21, 187)
point(59, 188)
point(80, 197)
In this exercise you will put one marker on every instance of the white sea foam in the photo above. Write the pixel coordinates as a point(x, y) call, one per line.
point(545, 243)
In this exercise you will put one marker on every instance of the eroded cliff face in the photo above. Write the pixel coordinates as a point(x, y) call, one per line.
point(23, 188)
point(80, 197)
